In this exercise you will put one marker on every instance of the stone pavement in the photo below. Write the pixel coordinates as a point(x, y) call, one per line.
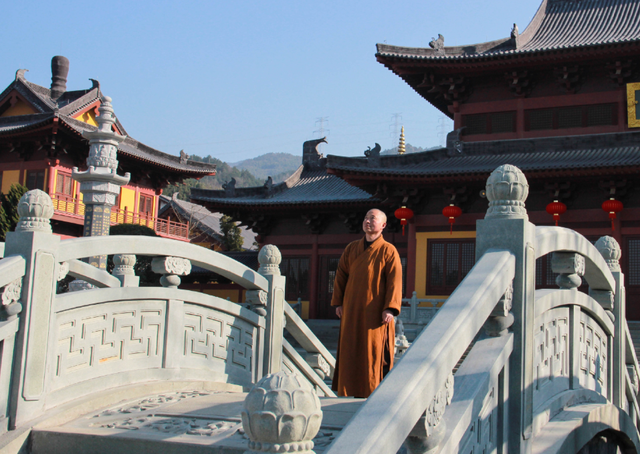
point(174, 422)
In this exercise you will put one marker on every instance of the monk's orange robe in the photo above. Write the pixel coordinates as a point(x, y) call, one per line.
point(368, 281)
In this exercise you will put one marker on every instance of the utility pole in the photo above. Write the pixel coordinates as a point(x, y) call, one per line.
point(441, 130)
point(321, 131)
point(396, 122)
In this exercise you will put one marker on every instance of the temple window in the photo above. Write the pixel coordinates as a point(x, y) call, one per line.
point(571, 117)
point(448, 262)
point(145, 205)
point(64, 184)
point(490, 123)
point(35, 179)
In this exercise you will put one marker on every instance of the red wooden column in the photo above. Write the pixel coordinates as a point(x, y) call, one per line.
point(313, 287)
point(411, 260)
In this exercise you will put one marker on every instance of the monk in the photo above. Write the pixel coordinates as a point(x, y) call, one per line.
point(367, 294)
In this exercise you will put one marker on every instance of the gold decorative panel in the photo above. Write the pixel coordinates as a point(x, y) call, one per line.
point(633, 98)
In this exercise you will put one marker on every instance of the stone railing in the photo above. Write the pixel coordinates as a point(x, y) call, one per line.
point(112, 333)
point(550, 370)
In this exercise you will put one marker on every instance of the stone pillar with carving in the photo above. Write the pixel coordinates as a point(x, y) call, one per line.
point(124, 271)
point(281, 413)
point(506, 226)
point(100, 183)
point(33, 240)
point(171, 269)
point(430, 429)
point(615, 304)
point(269, 259)
point(501, 318)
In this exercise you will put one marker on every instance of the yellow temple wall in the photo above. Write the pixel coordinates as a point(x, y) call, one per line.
point(19, 108)
point(9, 177)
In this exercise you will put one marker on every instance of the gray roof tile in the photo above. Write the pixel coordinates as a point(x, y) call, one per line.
point(558, 24)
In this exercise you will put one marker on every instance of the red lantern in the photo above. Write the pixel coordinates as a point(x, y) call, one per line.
point(404, 214)
point(612, 206)
point(556, 208)
point(452, 212)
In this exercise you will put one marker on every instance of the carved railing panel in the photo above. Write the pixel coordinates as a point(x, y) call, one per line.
point(552, 351)
point(593, 354)
point(113, 337)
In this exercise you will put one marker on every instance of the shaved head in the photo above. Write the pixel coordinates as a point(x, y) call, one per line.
point(374, 223)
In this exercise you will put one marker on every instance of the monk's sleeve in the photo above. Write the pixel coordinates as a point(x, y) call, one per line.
point(342, 275)
point(393, 298)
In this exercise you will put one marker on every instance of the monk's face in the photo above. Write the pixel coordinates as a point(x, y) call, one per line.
point(374, 223)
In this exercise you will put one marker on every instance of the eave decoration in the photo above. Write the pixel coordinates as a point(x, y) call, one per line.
point(452, 212)
point(612, 206)
point(555, 209)
point(404, 214)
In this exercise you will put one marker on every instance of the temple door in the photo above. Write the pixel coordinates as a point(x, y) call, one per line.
point(326, 277)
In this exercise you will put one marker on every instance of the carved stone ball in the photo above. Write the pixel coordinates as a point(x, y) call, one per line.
point(35, 209)
point(269, 259)
point(281, 413)
point(124, 263)
point(507, 189)
point(610, 251)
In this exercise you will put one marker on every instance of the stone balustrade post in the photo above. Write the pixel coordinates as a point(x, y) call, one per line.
point(430, 429)
point(281, 413)
point(171, 269)
point(615, 304)
point(124, 271)
point(501, 318)
point(414, 307)
point(269, 259)
point(33, 241)
point(506, 226)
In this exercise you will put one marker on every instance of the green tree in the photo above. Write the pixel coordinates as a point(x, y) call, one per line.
point(231, 234)
point(9, 216)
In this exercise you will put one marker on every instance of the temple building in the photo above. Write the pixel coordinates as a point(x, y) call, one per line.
point(557, 100)
point(41, 142)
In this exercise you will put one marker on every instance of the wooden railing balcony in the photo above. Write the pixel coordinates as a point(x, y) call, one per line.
point(72, 206)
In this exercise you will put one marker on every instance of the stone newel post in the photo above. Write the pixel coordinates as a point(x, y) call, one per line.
point(281, 413)
point(615, 304)
point(506, 226)
point(33, 240)
point(270, 258)
point(100, 183)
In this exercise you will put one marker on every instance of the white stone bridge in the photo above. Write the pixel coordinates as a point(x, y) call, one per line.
point(121, 368)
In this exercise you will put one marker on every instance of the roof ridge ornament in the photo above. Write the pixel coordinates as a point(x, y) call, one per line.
point(20, 74)
point(373, 155)
point(515, 34)
point(437, 44)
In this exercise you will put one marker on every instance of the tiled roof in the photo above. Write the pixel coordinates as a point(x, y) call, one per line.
point(602, 151)
point(306, 187)
point(72, 102)
point(558, 24)
point(204, 220)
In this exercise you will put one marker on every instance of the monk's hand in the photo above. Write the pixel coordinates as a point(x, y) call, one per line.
point(387, 316)
point(339, 311)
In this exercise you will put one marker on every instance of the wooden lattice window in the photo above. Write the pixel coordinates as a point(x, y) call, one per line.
point(491, 123)
point(64, 183)
point(448, 262)
point(571, 117)
point(145, 205)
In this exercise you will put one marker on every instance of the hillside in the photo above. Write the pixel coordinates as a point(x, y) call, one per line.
point(251, 172)
point(271, 164)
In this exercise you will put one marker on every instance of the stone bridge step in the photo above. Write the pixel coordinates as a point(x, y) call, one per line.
point(180, 422)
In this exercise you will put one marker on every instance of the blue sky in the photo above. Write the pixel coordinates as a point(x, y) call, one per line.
point(237, 79)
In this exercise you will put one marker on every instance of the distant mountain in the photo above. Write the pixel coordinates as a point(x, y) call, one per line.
point(275, 165)
point(408, 149)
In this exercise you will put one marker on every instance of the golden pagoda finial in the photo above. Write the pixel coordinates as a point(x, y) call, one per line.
point(401, 148)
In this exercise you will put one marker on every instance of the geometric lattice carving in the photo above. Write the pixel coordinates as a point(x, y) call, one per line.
point(551, 357)
point(211, 335)
point(593, 355)
point(92, 340)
